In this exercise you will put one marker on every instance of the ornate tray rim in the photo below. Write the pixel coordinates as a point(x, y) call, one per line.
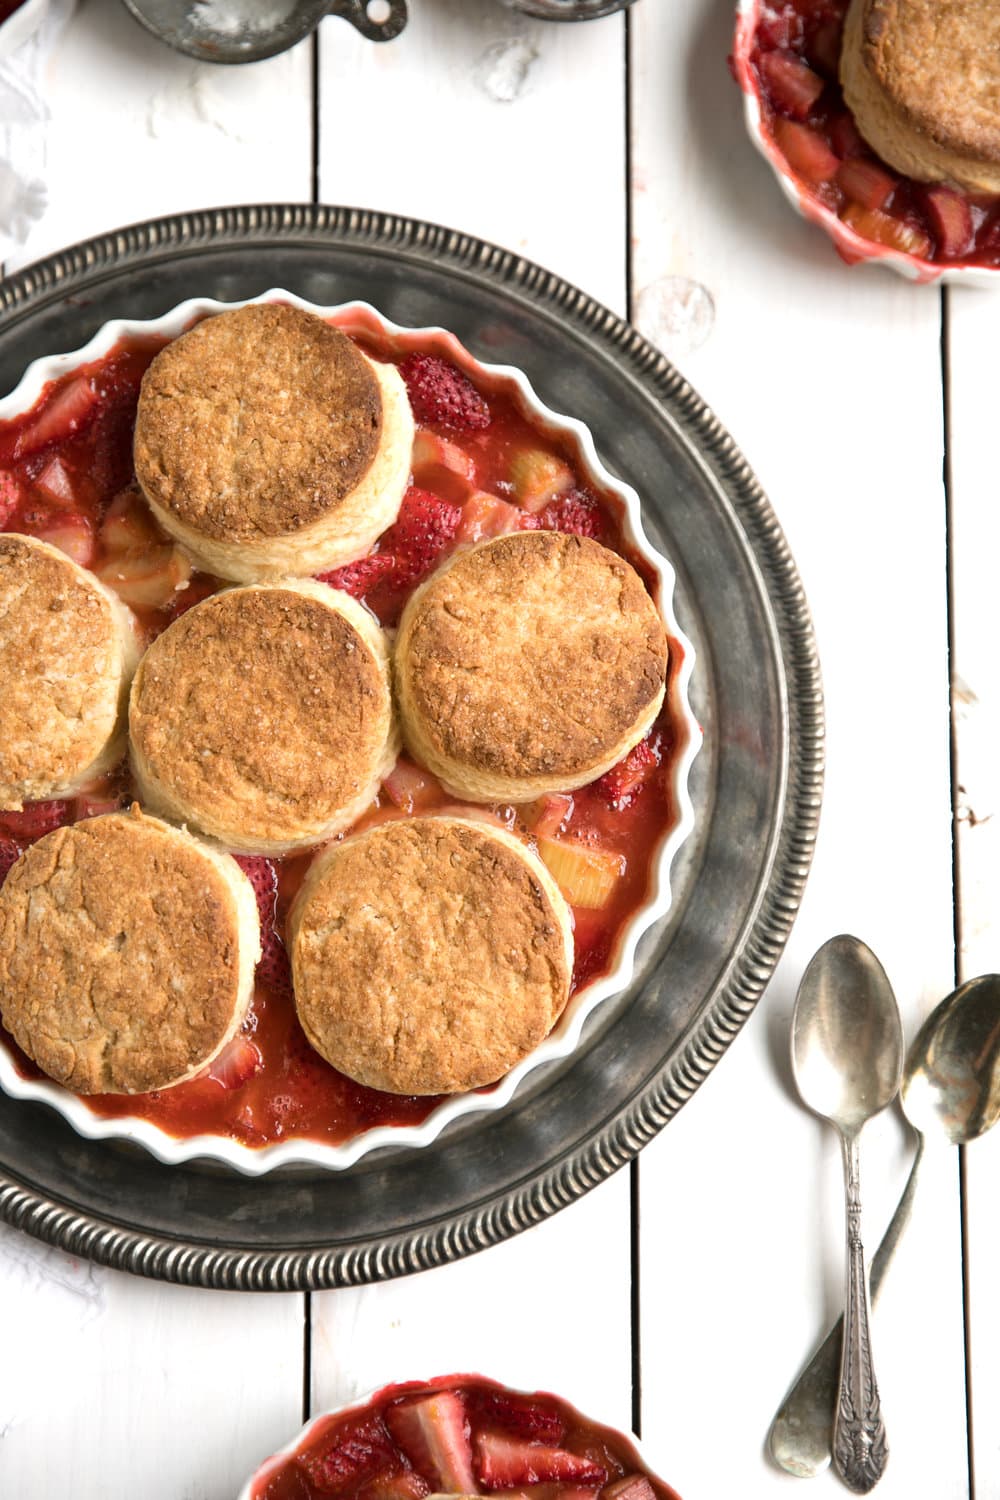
point(113, 1243)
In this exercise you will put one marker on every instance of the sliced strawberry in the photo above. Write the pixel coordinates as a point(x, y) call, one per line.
point(434, 1434)
point(792, 87)
point(11, 495)
point(951, 219)
point(273, 968)
point(35, 820)
point(504, 1463)
point(621, 784)
point(425, 526)
point(807, 153)
point(356, 1453)
point(516, 1415)
point(236, 1064)
point(441, 396)
point(865, 182)
point(779, 26)
point(886, 230)
point(629, 1487)
point(357, 578)
point(66, 412)
point(578, 512)
point(10, 853)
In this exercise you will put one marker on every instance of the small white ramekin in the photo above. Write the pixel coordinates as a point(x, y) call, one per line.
point(360, 318)
point(852, 246)
point(253, 1487)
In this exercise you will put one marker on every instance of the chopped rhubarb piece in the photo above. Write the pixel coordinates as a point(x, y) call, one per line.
point(35, 820)
point(538, 477)
point(128, 526)
point(630, 1487)
point(410, 787)
point(272, 967)
point(845, 137)
point(807, 153)
point(549, 815)
point(406, 1485)
point(95, 805)
point(64, 414)
point(11, 496)
point(621, 784)
point(148, 580)
point(56, 483)
point(10, 853)
point(578, 512)
point(950, 214)
point(236, 1064)
point(485, 516)
point(516, 1415)
point(865, 182)
point(357, 578)
point(72, 534)
point(779, 26)
point(885, 230)
point(791, 86)
point(586, 875)
point(443, 467)
point(441, 396)
point(356, 1453)
point(504, 1463)
point(434, 1434)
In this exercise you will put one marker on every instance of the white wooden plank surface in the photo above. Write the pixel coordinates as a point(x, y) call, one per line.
point(157, 1389)
point(973, 327)
point(479, 98)
point(829, 378)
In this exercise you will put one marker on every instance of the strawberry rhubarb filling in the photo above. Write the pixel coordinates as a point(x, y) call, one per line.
point(795, 56)
point(480, 468)
point(460, 1436)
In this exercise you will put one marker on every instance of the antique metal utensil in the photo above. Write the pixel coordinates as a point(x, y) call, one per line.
point(567, 10)
point(950, 1093)
point(847, 1056)
point(240, 31)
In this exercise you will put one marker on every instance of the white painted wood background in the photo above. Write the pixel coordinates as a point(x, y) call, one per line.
point(614, 153)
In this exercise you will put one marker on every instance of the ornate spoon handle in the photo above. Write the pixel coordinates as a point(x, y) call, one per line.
point(801, 1431)
point(860, 1451)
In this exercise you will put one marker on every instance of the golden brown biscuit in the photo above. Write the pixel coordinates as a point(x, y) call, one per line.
point(922, 78)
point(530, 664)
point(429, 955)
point(270, 446)
point(263, 716)
point(67, 654)
point(127, 954)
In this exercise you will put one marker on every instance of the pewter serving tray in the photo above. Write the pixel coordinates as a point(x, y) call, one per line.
point(756, 784)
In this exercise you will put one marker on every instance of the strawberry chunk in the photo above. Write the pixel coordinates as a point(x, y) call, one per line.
point(63, 414)
point(485, 516)
point(356, 1453)
point(273, 968)
point(357, 578)
point(578, 512)
point(779, 26)
point(865, 182)
point(845, 138)
point(424, 530)
point(806, 153)
point(11, 496)
point(951, 219)
point(528, 1419)
point(792, 87)
point(434, 1434)
point(10, 853)
point(505, 1463)
point(441, 396)
point(630, 1487)
point(622, 783)
point(35, 820)
point(236, 1064)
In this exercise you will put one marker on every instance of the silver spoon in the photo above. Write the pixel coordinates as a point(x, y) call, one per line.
point(951, 1090)
point(241, 31)
point(847, 1057)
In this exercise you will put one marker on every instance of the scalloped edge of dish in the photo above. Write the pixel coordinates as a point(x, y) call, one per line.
point(852, 246)
point(271, 1464)
point(562, 1041)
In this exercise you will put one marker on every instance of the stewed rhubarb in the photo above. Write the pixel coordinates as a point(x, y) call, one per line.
point(795, 54)
point(460, 1435)
point(480, 468)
